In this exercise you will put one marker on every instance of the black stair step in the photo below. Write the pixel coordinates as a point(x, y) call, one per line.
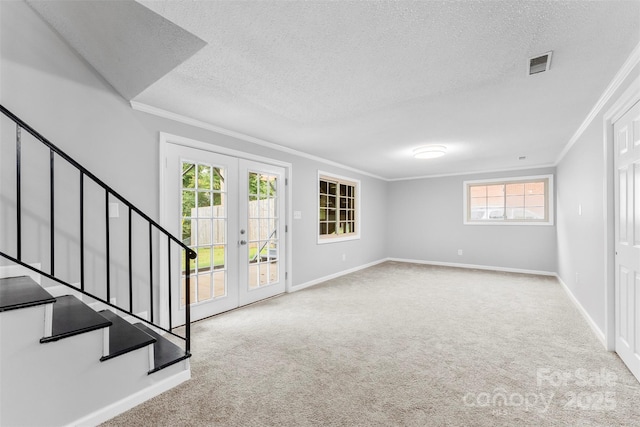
point(123, 336)
point(165, 353)
point(21, 292)
point(72, 317)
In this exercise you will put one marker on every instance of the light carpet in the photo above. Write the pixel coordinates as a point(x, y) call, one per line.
point(401, 344)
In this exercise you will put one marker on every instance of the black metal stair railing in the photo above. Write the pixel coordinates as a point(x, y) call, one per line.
point(54, 153)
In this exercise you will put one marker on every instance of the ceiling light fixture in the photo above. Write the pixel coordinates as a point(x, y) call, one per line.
point(430, 152)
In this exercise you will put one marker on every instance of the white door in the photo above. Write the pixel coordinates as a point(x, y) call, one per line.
point(262, 230)
point(231, 212)
point(627, 241)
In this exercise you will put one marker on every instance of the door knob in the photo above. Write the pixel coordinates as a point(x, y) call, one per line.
point(243, 242)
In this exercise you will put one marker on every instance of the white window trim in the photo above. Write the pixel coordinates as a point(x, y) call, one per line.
point(354, 236)
point(550, 200)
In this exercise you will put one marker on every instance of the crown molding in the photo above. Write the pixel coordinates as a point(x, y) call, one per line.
point(620, 77)
point(480, 172)
point(145, 108)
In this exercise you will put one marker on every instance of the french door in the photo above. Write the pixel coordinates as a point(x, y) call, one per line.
point(230, 211)
point(627, 240)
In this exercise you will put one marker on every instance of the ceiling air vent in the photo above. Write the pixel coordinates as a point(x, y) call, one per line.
point(539, 64)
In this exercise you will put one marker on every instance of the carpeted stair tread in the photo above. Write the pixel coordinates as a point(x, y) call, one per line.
point(166, 353)
point(72, 317)
point(22, 292)
point(123, 336)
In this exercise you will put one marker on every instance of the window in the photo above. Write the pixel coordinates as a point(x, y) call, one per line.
point(522, 200)
point(338, 208)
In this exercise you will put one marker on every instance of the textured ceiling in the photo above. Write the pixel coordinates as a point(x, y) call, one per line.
point(315, 62)
point(363, 83)
point(129, 45)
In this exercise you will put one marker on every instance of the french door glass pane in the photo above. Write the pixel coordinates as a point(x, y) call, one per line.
point(204, 229)
point(263, 233)
point(204, 177)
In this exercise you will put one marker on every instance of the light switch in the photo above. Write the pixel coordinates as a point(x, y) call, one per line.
point(114, 210)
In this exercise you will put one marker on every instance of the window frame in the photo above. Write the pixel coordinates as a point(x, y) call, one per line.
point(338, 179)
point(549, 199)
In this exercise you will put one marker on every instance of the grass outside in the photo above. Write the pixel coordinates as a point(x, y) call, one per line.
point(204, 257)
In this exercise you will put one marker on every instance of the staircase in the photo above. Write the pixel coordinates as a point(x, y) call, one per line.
point(69, 355)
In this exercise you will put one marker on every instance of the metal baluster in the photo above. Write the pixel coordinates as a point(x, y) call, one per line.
point(130, 265)
point(18, 193)
point(151, 272)
point(187, 311)
point(82, 230)
point(52, 210)
point(106, 214)
point(169, 281)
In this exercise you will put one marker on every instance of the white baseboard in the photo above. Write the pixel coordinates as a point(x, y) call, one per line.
point(60, 290)
point(117, 408)
point(417, 261)
point(99, 306)
point(18, 270)
point(142, 314)
point(475, 266)
point(594, 327)
point(334, 275)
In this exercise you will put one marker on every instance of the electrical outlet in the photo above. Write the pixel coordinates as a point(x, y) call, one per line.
point(344, 257)
point(459, 251)
point(577, 278)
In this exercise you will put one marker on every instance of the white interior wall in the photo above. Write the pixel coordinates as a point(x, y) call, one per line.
point(310, 260)
point(426, 224)
point(581, 238)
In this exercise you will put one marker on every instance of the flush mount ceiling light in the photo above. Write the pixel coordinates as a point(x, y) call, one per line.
point(430, 152)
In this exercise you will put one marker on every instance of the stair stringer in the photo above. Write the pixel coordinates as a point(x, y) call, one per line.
point(64, 382)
